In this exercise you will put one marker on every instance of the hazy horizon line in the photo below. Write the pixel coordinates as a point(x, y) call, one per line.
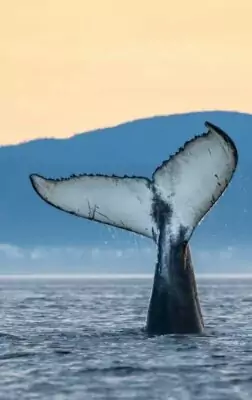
point(115, 276)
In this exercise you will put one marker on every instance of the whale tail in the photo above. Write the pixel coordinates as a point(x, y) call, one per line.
point(188, 184)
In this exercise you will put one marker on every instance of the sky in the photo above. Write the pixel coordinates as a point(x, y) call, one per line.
point(73, 66)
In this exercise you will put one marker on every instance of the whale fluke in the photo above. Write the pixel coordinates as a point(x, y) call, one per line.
point(166, 208)
point(187, 184)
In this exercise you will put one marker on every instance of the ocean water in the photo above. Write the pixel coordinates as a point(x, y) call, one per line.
point(83, 339)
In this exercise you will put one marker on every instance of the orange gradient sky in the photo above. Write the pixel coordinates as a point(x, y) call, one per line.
point(72, 66)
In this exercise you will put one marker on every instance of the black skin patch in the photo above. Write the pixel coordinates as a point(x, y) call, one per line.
point(174, 308)
point(161, 211)
point(174, 305)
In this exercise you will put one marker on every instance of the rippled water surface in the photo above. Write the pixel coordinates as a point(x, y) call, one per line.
point(82, 339)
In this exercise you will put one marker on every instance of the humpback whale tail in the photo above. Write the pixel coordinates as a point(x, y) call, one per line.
point(184, 187)
point(166, 208)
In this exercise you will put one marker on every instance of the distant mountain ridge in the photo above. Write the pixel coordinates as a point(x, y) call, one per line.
point(133, 148)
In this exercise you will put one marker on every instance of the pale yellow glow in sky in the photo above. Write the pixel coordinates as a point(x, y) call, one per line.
point(71, 66)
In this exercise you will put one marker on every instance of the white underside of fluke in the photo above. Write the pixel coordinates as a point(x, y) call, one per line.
point(190, 182)
point(194, 178)
point(120, 202)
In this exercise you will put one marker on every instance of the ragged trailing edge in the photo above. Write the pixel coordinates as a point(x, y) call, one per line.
point(211, 127)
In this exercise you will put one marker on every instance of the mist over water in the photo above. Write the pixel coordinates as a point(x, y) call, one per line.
point(114, 257)
point(82, 339)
